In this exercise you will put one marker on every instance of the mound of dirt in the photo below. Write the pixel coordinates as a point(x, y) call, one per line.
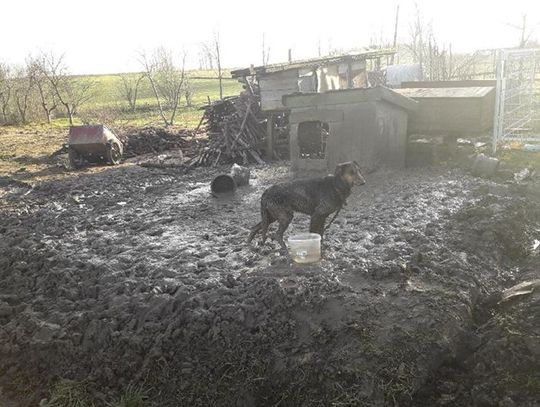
point(140, 276)
point(502, 364)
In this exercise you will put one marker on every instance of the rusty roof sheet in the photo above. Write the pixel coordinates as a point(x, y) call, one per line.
point(312, 63)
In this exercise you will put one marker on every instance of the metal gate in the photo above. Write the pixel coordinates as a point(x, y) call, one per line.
point(516, 101)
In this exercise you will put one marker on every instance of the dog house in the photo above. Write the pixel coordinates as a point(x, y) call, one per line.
point(366, 125)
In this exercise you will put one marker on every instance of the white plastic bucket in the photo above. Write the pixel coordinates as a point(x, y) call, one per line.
point(305, 247)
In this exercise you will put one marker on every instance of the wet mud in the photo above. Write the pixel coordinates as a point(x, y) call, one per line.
point(141, 276)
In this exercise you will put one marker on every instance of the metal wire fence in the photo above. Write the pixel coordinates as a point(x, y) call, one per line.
point(518, 95)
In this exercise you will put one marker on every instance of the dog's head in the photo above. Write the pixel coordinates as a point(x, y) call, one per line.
point(349, 172)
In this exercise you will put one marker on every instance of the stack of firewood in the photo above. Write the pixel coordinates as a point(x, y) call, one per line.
point(235, 129)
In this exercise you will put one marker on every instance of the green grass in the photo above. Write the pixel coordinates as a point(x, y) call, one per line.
point(107, 103)
point(69, 393)
point(132, 397)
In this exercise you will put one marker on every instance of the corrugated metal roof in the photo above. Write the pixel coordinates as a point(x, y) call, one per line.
point(312, 63)
point(470, 92)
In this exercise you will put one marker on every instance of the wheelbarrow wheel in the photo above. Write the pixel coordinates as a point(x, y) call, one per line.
point(113, 154)
point(75, 158)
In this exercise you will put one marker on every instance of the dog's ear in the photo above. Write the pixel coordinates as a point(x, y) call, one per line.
point(339, 169)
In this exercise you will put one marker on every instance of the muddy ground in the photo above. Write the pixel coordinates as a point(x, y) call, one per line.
point(139, 276)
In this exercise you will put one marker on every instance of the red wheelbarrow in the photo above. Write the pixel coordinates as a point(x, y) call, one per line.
point(93, 144)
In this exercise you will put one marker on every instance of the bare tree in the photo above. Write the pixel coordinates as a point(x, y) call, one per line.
point(332, 51)
point(266, 51)
point(150, 66)
point(129, 88)
point(217, 48)
point(417, 41)
point(206, 56)
point(188, 92)
point(426, 51)
point(47, 96)
point(525, 31)
point(23, 86)
point(6, 85)
point(212, 53)
point(167, 81)
point(394, 42)
point(72, 92)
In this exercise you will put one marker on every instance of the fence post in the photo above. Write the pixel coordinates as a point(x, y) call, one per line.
point(497, 119)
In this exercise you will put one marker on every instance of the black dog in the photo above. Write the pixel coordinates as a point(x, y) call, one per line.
point(318, 197)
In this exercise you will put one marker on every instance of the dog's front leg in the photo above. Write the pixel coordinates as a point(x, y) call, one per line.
point(317, 224)
point(318, 220)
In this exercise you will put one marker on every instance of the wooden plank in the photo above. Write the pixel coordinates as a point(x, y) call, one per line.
point(316, 62)
point(270, 137)
point(349, 75)
point(248, 110)
point(276, 93)
point(285, 84)
point(277, 76)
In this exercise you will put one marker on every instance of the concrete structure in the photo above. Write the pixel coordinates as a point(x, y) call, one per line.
point(451, 111)
point(366, 125)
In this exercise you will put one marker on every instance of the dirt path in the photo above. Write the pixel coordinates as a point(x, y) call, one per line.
point(134, 275)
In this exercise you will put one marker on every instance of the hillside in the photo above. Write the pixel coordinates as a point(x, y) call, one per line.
point(108, 102)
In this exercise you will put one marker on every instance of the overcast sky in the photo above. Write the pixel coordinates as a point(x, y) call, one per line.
point(103, 36)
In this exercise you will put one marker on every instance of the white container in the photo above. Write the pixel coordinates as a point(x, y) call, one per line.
point(305, 247)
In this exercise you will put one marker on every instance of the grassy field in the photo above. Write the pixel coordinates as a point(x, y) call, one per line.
point(25, 151)
point(108, 105)
point(107, 101)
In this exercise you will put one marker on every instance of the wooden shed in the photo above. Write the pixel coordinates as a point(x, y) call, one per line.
point(366, 125)
point(315, 75)
point(451, 111)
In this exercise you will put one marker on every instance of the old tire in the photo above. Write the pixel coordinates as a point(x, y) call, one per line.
point(75, 159)
point(114, 154)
